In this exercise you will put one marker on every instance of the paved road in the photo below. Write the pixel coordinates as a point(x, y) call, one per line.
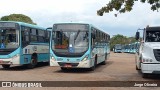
point(120, 67)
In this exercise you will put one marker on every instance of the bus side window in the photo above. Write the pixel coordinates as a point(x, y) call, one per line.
point(47, 35)
point(41, 36)
point(93, 37)
point(25, 36)
point(33, 35)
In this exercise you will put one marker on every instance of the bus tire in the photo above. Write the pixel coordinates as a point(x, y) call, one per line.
point(137, 68)
point(104, 62)
point(6, 66)
point(94, 66)
point(33, 62)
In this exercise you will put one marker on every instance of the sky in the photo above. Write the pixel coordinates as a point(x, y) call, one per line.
point(47, 12)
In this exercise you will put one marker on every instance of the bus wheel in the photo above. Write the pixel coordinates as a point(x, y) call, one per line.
point(103, 63)
point(33, 62)
point(6, 66)
point(94, 66)
point(137, 68)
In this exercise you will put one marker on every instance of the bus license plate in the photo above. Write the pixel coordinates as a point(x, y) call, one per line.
point(1, 61)
point(68, 65)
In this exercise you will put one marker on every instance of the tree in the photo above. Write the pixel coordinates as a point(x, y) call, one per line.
point(123, 6)
point(118, 39)
point(17, 17)
point(132, 39)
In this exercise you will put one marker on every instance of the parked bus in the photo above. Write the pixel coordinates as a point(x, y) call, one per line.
point(125, 48)
point(78, 45)
point(137, 46)
point(133, 48)
point(148, 57)
point(22, 43)
point(117, 48)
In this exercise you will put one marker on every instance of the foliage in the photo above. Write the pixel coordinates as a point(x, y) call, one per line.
point(123, 6)
point(17, 17)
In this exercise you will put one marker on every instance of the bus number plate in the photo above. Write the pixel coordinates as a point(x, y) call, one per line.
point(68, 65)
point(1, 61)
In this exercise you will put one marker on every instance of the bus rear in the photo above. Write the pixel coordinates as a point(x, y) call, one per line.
point(9, 44)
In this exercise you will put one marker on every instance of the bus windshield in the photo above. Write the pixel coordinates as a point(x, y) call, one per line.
point(132, 46)
point(8, 38)
point(152, 36)
point(118, 46)
point(70, 42)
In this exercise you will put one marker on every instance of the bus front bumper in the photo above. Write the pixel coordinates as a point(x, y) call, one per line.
point(81, 64)
point(150, 68)
point(10, 61)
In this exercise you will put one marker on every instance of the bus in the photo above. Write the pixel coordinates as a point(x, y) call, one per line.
point(129, 48)
point(117, 48)
point(137, 45)
point(23, 44)
point(148, 56)
point(78, 45)
point(132, 48)
point(125, 48)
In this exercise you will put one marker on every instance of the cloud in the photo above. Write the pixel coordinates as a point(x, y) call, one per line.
point(47, 12)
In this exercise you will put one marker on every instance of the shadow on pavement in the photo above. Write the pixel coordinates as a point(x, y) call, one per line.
point(150, 76)
point(24, 67)
point(98, 68)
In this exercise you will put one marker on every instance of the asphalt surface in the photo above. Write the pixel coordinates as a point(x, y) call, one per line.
point(119, 67)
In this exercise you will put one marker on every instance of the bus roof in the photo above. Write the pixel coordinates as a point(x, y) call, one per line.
point(118, 45)
point(26, 24)
point(83, 23)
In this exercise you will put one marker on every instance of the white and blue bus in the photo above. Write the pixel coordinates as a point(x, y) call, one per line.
point(134, 47)
point(22, 43)
point(78, 45)
point(118, 48)
point(126, 48)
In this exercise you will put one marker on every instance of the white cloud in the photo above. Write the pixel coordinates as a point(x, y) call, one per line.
point(47, 12)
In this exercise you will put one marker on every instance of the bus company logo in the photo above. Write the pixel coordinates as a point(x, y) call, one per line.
point(34, 48)
point(6, 84)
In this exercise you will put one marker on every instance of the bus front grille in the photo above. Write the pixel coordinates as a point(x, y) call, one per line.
point(63, 64)
point(157, 54)
point(6, 51)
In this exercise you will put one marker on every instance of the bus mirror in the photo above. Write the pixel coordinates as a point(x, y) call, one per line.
point(93, 36)
point(137, 35)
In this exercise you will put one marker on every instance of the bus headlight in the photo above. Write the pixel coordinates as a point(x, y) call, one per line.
point(147, 60)
point(85, 58)
point(151, 60)
point(17, 55)
point(52, 58)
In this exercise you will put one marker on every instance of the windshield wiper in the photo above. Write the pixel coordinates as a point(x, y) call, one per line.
point(76, 35)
